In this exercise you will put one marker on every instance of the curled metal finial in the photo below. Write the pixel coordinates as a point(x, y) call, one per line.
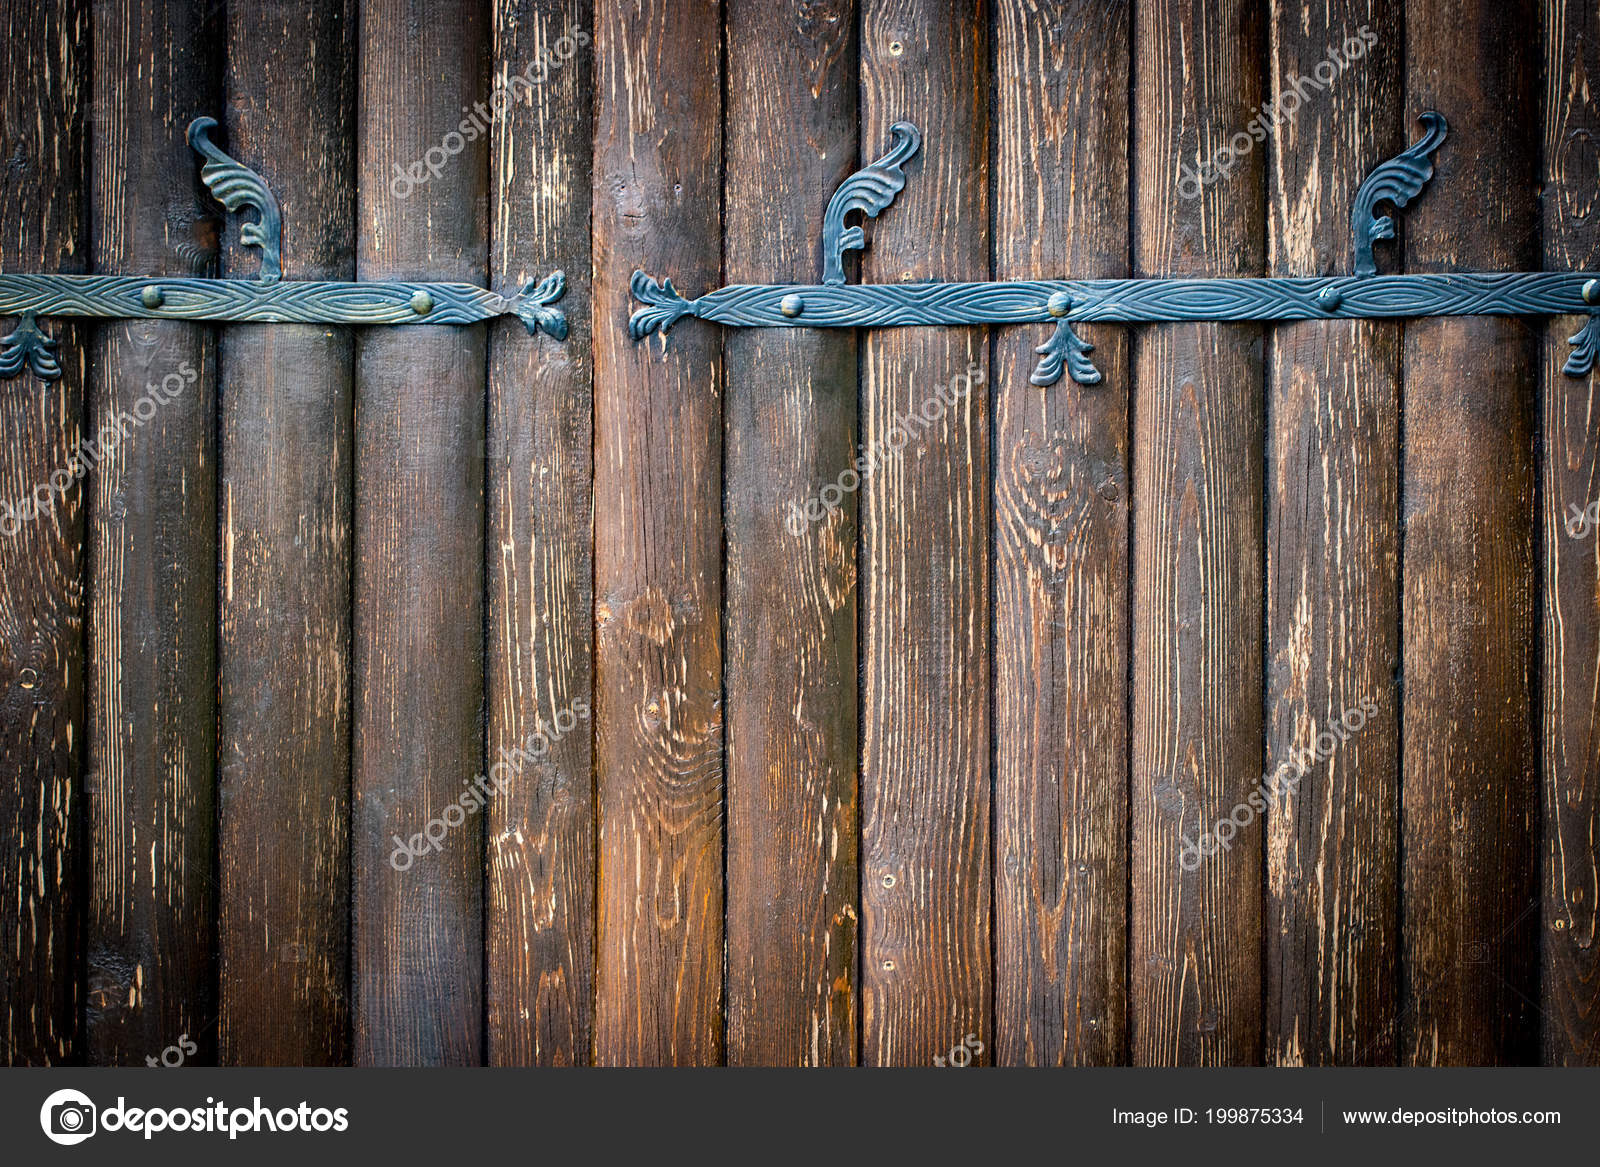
point(869, 191)
point(532, 305)
point(1396, 181)
point(236, 186)
point(29, 346)
point(1585, 344)
point(1065, 346)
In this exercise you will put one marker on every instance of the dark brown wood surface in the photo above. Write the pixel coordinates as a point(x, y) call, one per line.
point(1570, 557)
point(789, 433)
point(1469, 804)
point(41, 558)
point(978, 706)
point(283, 650)
point(417, 934)
point(926, 975)
point(1333, 556)
point(658, 540)
point(1195, 971)
point(152, 565)
point(1061, 549)
point(539, 963)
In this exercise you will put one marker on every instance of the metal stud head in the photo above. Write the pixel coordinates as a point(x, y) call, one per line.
point(791, 305)
point(1329, 299)
point(152, 297)
point(1059, 303)
point(1591, 292)
point(421, 302)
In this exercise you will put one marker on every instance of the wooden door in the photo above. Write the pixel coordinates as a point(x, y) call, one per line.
point(446, 695)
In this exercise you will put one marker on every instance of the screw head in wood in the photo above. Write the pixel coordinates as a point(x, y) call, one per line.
point(1059, 303)
point(791, 305)
point(421, 302)
point(152, 297)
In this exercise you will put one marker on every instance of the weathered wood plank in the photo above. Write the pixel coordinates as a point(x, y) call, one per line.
point(540, 918)
point(1197, 576)
point(1333, 546)
point(1570, 992)
point(1061, 549)
point(791, 602)
point(1470, 905)
point(44, 56)
point(151, 549)
point(418, 621)
point(925, 789)
point(283, 651)
point(658, 540)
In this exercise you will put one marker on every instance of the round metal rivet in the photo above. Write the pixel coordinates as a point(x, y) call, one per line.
point(1059, 304)
point(421, 302)
point(1591, 292)
point(1329, 298)
point(791, 305)
point(152, 297)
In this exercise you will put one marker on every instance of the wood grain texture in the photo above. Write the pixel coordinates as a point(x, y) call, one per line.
point(540, 913)
point(1570, 990)
point(926, 976)
point(658, 540)
point(791, 605)
point(1197, 575)
point(1470, 905)
point(283, 651)
point(152, 559)
point(44, 55)
point(418, 622)
point(1333, 547)
point(1061, 548)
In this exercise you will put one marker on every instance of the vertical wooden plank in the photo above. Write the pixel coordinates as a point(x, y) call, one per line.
point(283, 653)
point(1469, 803)
point(1061, 548)
point(1333, 546)
point(1570, 993)
point(658, 540)
point(791, 602)
point(152, 548)
point(925, 790)
point(418, 621)
point(44, 57)
point(1196, 965)
point(540, 958)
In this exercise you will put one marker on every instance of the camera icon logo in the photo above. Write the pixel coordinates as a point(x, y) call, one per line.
point(67, 1117)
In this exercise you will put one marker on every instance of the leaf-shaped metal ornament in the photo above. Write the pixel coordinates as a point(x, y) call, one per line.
point(1065, 346)
point(869, 191)
point(237, 187)
point(664, 306)
point(1585, 345)
point(532, 305)
point(29, 346)
point(1396, 181)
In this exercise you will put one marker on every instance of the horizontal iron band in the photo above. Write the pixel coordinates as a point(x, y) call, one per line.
point(1149, 300)
point(285, 301)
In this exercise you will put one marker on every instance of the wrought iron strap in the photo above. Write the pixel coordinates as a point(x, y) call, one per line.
point(267, 299)
point(835, 304)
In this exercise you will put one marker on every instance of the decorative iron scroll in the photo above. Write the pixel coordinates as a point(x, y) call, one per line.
point(1364, 295)
point(267, 299)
